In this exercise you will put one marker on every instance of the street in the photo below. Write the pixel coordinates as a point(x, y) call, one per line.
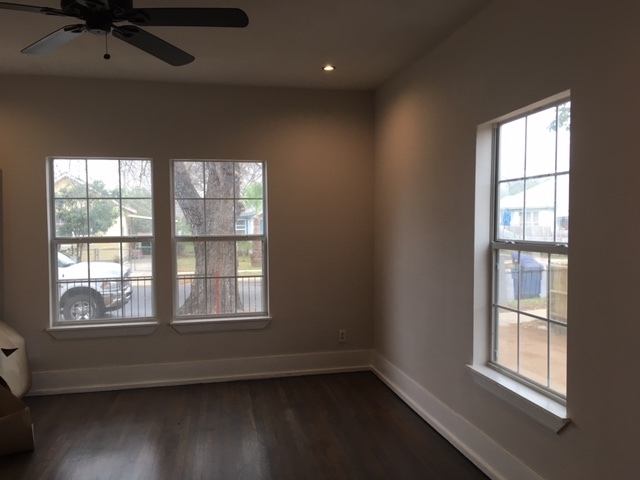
point(141, 303)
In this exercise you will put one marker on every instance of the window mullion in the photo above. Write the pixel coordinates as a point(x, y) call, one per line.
point(558, 249)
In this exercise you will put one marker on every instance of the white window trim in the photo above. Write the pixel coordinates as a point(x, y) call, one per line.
point(544, 409)
point(103, 330)
point(203, 325)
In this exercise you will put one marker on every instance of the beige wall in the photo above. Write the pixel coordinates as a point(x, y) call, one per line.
point(318, 146)
point(511, 55)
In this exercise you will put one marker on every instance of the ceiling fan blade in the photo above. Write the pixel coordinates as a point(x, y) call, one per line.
point(55, 40)
point(152, 45)
point(94, 5)
point(32, 8)
point(188, 17)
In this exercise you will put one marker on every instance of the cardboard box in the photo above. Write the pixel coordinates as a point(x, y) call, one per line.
point(16, 427)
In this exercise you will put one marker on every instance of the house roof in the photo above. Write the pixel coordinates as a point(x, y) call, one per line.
point(540, 197)
point(286, 43)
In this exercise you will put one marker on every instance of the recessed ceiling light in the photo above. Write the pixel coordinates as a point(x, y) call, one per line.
point(328, 68)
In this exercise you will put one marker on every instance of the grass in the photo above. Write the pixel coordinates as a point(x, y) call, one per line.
point(188, 264)
point(528, 303)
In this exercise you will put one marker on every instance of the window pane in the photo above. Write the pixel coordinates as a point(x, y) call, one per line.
point(506, 279)
point(70, 178)
point(135, 178)
point(512, 149)
point(564, 137)
point(562, 209)
point(529, 281)
point(220, 179)
point(251, 212)
point(104, 178)
point(103, 216)
point(221, 296)
point(506, 339)
point(188, 179)
point(221, 259)
point(251, 294)
point(558, 359)
point(71, 218)
point(71, 261)
point(186, 258)
point(137, 217)
point(250, 176)
point(138, 276)
point(541, 143)
point(539, 219)
point(533, 284)
point(533, 352)
point(558, 288)
point(220, 217)
point(249, 258)
point(189, 217)
point(192, 298)
point(510, 210)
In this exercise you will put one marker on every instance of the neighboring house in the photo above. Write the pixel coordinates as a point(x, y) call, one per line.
point(133, 224)
point(537, 210)
point(248, 223)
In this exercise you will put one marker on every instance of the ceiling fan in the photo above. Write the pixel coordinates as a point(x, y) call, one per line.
point(122, 20)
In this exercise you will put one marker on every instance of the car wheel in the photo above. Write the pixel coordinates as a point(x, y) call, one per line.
point(81, 307)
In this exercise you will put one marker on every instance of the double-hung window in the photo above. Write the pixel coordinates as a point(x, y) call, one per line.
point(101, 240)
point(530, 247)
point(220, 242)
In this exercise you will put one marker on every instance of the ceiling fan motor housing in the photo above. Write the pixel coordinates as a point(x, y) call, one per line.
point(98, 23)
point(98, 14)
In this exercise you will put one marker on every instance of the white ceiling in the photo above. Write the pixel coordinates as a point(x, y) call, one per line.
point(286, 43)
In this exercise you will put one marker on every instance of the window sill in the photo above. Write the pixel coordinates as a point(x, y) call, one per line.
point(550, 413)
point(220, 325)
point(122, 329)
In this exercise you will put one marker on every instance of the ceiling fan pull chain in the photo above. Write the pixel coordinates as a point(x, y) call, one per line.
point(106, 56)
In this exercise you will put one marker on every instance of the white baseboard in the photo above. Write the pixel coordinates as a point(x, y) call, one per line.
point(486, 454)
point(207, 371)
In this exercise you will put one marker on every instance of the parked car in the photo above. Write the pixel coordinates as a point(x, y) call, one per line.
point(89, 289)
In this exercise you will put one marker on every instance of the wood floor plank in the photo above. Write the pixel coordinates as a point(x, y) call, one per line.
point(341, 426)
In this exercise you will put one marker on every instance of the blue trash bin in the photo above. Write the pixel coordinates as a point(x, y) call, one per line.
point(527, 279)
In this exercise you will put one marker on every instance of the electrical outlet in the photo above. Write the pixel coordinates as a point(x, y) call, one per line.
point(342, 336)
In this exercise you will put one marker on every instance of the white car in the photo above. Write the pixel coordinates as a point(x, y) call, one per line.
point(86, 290)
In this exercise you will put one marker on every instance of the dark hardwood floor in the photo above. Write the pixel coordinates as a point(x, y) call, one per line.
point(341, 426)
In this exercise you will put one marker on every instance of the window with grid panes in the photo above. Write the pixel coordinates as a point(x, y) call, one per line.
point(530, 247)
point(220, 268)
point(101, 217)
